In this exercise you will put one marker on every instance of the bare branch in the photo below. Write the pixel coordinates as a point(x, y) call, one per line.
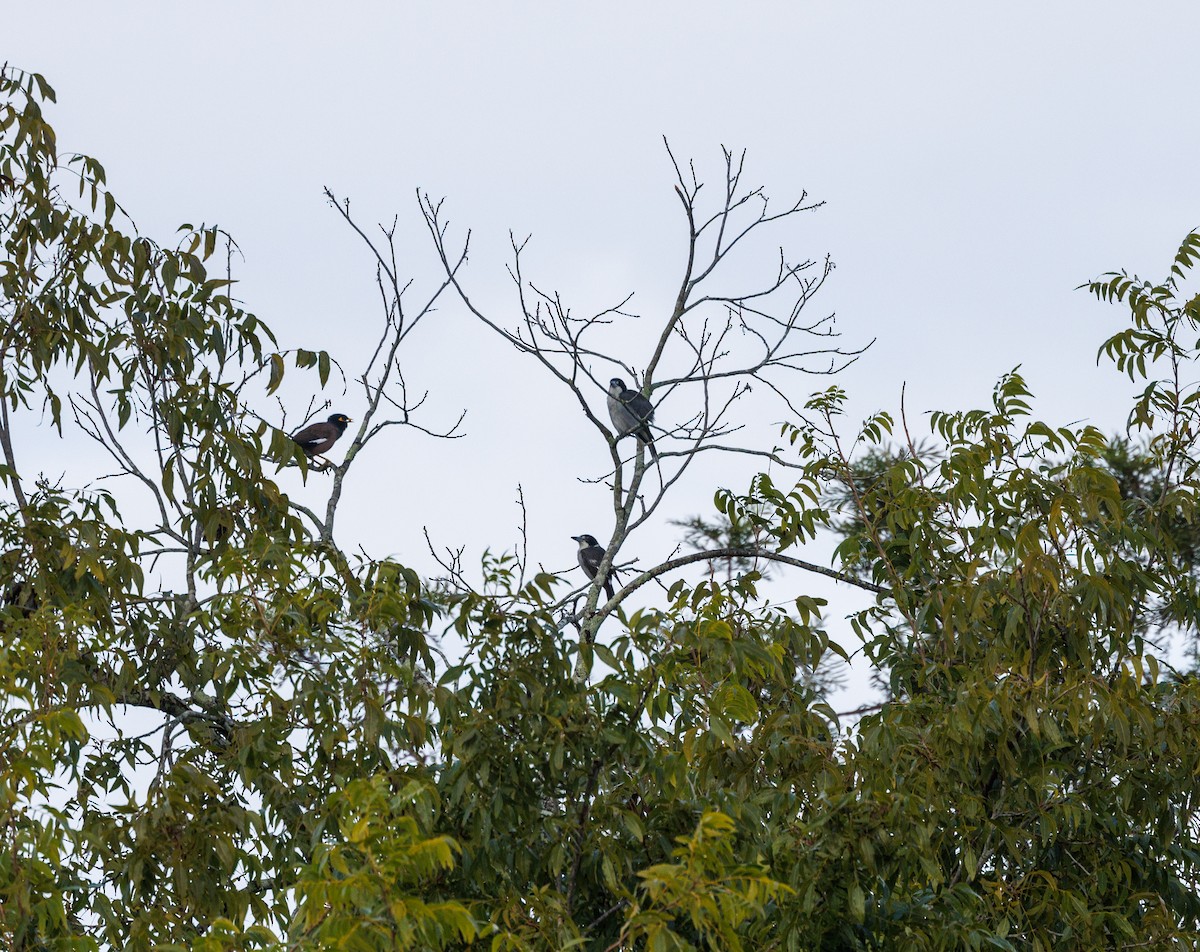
point(711, 346)
point(383, 368)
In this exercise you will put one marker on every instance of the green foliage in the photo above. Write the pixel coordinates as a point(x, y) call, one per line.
point(220, 731)
point(362, 889)
point(705, 888)
point(700, 534)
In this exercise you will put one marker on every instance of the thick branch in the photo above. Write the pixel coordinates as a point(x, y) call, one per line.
point(734, 552)
point(9, 459)
point(730, 552)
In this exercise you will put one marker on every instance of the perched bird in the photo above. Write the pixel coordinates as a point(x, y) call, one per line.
point(22, 598)
point(317, 438)
point(591, 553)
point(20, 595)
point(631, 413)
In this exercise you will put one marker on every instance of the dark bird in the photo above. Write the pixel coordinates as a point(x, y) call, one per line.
point(591, 554)
point(20, 595)
point(317, 438)
point(631, 413)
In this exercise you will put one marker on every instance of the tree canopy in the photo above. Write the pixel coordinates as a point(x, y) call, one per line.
point(223, 729)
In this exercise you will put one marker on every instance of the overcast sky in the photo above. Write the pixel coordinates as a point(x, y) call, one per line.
point(978, 162)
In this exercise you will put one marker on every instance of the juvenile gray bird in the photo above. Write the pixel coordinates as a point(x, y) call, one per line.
point(317, 438)
point(591, 554)
point(630, 412)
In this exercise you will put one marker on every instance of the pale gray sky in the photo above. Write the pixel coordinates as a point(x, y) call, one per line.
point(979, 162)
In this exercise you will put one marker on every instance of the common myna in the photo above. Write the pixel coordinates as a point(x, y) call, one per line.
point(631, 413)
point(317, 438)
point(591, 553)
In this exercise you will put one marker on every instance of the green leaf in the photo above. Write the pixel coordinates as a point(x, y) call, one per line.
point(276, 373)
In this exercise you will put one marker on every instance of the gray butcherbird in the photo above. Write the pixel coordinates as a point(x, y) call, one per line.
point(591, 554)
point(630, 412)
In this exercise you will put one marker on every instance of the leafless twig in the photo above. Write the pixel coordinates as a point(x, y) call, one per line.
point(712, 346)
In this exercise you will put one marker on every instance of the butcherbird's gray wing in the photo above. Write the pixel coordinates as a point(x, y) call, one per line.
point(590, 558)
point(631, 413)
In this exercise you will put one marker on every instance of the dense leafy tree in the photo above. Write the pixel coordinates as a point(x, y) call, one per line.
point(269, 753)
